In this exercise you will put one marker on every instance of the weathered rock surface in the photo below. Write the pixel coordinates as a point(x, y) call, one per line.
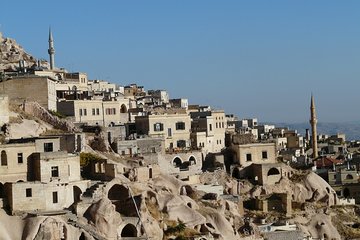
point(11, 53)
point(321, 227)
point(104, 217)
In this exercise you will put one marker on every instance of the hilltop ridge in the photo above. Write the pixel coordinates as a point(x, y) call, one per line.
point(11, 53)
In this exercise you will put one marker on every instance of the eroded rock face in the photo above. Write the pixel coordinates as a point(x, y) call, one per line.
point(52, 228)
point(314, 189)
point(217, 224)
point(11, 53)
point(104, 217)
point(321, 227)
point(181, 208)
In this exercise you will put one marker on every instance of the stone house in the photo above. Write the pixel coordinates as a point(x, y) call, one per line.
point(41, 89)
point(173, 127)
point(162, 95)
point(208, 130)
point(96, 112)
point(295, 141)
point(179, 103)
point(247, 154)
point(55, 184)
point(343, 176)
point(33, 171)
point(14, 161)
point(72, 86)
point(16, 154)
point(141, 146)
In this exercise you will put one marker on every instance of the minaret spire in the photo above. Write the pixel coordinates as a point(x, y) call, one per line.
point(313, 122)
point(51, 50)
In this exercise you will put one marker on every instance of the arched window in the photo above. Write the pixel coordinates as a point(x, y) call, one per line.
point(273, 171)
point(3, 158)
point(349, 177)
point(123, 109)
point(192, 160)
point(177, 162)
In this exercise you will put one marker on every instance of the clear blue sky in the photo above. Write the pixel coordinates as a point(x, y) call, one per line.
point(252, 58)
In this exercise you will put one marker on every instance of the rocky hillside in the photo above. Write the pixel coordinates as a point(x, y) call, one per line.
point(11, 53)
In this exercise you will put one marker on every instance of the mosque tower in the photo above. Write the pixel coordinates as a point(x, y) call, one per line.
point(51, 50)
point(313, 122)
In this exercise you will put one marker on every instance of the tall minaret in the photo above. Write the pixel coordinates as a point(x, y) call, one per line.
point(313, 122)
point(51, 50)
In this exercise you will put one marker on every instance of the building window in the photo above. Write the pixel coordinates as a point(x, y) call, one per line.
point(97, 111)
point(54, 171)
point(55, 197)
point(216, 125)
point(48, 147)
point(110, 111)
point(28, 192)
point(264, 155)
point(210, 127)
point(180, 126)
point(80, 112)
point(169, 132)
point(223, 125)
point(85, 112)
point(20, 157)
point(181, 143)
point(3, 158)
point(158, 127)
point(248, 157)
point(93, 111)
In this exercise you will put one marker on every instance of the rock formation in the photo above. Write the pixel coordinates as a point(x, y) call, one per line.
point(11, 53)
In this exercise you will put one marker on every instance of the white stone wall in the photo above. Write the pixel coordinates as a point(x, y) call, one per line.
point(145, 125)
point(68, 167)
point(255, 150)
point(39, 144)
point(30, 88)
point(42, 196)
point(4, 109)
point(15, 171)
point(96, 111)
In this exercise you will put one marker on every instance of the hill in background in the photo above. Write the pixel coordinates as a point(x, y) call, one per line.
point(351, 129)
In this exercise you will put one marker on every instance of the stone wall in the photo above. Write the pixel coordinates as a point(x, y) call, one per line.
point(256, 151)
point(15, 170)
point(68, 167)
point(30, 88)
point(35, 196)
point(4, 109)
point(40, 112)
point(144, 174)
point(167, 163)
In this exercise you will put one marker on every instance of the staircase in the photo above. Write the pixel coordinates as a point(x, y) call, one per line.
point(93, 193)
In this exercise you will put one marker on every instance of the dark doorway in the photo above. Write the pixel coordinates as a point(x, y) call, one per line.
point(129, 231)
point(346, 193)
point(77, 193)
